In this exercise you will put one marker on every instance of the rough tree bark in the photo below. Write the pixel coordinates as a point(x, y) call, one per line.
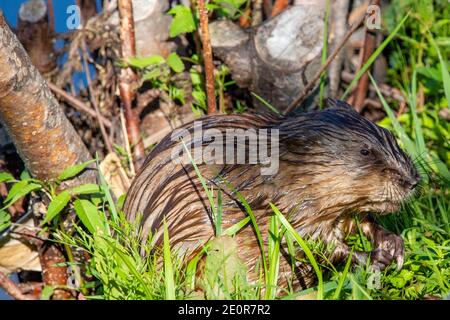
point(44, 138)
point(276, 59)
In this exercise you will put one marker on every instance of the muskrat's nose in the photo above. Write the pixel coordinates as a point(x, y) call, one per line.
point(411, 183)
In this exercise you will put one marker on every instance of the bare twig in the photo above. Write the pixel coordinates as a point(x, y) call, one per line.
point(257, 15)
point(51, 15)
point(93, 96)
point(77, 104)
point(127, 77)
point(312, 83)
point(13, 289)
point(207, 57)
point(363, 83)
point(267, 7)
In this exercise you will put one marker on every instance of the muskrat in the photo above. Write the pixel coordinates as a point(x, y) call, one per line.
point(333, 163)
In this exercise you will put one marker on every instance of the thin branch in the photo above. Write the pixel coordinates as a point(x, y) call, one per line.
point(77, 104)
point(207, 57)
point(367, 50)
point(92, 94)
point(312, 83)
point(257, 15)
point(51, 15)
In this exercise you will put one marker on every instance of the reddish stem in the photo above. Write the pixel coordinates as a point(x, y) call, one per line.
point(127, 77)
point(278, 7)
point(363, 83)
point(207, 57)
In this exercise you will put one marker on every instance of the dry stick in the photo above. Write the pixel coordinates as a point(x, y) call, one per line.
point(363, 83)
point(299, 99)
point(12, 289)
point(127, 77)
point(278, 7)
point(77, 104)
point(51, 15)
point(207, 57)
point(267, 7)
point(93, 95)
point(257, 15)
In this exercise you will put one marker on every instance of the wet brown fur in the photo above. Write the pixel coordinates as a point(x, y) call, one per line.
point(323, 179)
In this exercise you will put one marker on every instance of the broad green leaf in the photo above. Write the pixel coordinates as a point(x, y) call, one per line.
point(5, 220)
point(183, 21)
point(174, 62)
point(74, 170)
point(6, 177)
point(142, 62)
point(444, 72)
point(89, 215)
point(47, 292)
point(57, 204)
point(19, 190)
point(25, 175)
point(86, 189)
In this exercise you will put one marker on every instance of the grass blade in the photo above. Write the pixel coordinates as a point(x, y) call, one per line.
point(168, 267)
point(305, 249)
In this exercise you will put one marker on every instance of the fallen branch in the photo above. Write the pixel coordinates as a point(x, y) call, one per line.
point(207, 57)
point(312, 83)
point(13, 289)
point(77, 104)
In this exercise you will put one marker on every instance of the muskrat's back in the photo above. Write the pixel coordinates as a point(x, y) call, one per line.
point(332, 163)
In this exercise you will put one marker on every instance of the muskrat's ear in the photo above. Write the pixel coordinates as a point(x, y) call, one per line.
point(338, 104)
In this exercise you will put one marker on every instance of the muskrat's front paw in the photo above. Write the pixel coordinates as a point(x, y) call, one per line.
point(388, 246)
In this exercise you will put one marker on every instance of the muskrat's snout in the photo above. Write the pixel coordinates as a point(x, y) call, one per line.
point(410, 182)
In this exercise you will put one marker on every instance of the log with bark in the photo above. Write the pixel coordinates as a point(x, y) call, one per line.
point(44, 138)
point(276, 59)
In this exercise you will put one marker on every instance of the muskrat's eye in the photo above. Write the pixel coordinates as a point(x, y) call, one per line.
point(365, 152)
